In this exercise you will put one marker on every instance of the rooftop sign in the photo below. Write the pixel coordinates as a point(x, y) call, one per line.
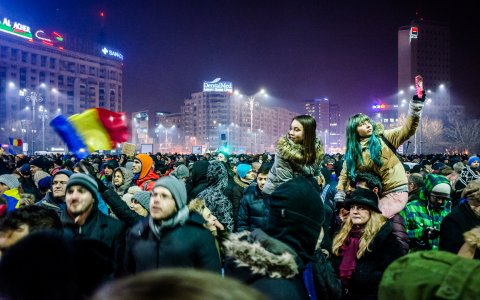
point(217, 86)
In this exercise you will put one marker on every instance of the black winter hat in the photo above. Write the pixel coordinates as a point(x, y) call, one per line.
point(365, 197)
point(39, 162)
point(296, 215)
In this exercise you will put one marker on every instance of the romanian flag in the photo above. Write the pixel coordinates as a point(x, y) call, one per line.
point(15, 142)
point(94, 129)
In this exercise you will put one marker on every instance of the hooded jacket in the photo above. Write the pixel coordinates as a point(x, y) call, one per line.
point(127, 180)
point(147, 177)
point(392, 172)
point(290, 162)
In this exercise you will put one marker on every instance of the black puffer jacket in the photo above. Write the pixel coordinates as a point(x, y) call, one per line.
point(189, 246)
point(98, 227)
point(251, 214)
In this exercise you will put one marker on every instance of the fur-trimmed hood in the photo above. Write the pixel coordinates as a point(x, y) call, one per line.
point(294, 152)
point(252, 252)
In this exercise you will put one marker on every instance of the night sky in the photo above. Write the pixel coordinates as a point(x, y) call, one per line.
point(296, 50)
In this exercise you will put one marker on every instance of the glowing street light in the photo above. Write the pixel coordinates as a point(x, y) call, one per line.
point(251, 103)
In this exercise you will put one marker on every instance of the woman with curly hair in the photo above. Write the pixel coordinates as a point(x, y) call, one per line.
point(364, 247)
point(297, 153)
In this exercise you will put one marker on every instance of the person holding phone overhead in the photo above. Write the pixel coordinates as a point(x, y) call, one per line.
point(370, 148)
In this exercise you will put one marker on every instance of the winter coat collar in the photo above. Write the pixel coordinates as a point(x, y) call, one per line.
point(241, 183)
point(248, 252)
point(290, 151)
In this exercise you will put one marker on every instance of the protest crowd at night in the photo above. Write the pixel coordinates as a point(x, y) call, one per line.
point(295, 224)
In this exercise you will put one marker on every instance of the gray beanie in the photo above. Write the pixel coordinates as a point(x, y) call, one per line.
point(9, 180)
point(176, 188)
point(143, 197)
point(86, 181)
point(181, 172)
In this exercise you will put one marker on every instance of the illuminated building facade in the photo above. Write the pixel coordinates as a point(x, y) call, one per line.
point(217, 119)
point(65, 81)
point(424, 48)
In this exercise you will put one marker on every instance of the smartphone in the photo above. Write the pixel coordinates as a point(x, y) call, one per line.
point(419, 86)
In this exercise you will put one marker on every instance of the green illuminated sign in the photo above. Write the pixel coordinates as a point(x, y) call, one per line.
point(15, 28)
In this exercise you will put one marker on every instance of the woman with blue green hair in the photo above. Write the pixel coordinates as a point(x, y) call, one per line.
point(370, 148)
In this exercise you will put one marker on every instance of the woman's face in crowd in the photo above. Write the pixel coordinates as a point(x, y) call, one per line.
point(364, 129)
point(359, 214)
point(118, 178)
point(296, 132)
point(474, 165)
point(221, 157)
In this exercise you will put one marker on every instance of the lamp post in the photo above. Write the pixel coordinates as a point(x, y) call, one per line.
point(43, 114)
point(35, 98)
point(326, 133)
point(251, 104)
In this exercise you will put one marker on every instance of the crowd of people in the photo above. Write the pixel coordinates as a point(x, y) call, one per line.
point(297, 224)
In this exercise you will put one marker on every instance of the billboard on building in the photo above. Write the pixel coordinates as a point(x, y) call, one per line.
point(218, 86)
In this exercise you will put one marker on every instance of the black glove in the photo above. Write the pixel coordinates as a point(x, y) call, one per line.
point(101, 186)
point(415, 97)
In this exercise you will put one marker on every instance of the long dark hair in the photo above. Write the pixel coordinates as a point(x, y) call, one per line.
point(309, 137)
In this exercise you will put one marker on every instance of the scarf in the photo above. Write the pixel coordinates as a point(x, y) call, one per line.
point(178, 219)
point(349, 254)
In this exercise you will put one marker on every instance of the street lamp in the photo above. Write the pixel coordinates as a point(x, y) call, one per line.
point(251, 103)
point(43, 115)
point(35, 98)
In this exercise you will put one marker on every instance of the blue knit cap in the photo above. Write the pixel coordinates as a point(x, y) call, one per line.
point(243, 169)
point(473, 159)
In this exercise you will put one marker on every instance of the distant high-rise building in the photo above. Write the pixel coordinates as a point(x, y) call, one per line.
point(328, 118)
point(215, 119)
point(424, 49)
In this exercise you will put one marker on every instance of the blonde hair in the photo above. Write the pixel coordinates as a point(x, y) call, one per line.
point(371, 229)
point(197, 205)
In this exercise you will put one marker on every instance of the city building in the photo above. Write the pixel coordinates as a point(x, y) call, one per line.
point(42, 74)
point(329, 125)
point(224, 120)
point(424, 49)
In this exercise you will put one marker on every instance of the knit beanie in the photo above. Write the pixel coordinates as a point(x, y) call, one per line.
point(243, 169)
point(143, 197)
point(365, 197)
point(296, 215)
point(432, 180)
point(176, 188)
point(441, 190)
point(181, 172)
point(86, 181)
point(430, 275)
point(473, 159)
point(61, 171)
point(147, 163)
point(45, 183)
point(9, 180)
point(39, 175)
point(25, 170)
point(38, 162)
